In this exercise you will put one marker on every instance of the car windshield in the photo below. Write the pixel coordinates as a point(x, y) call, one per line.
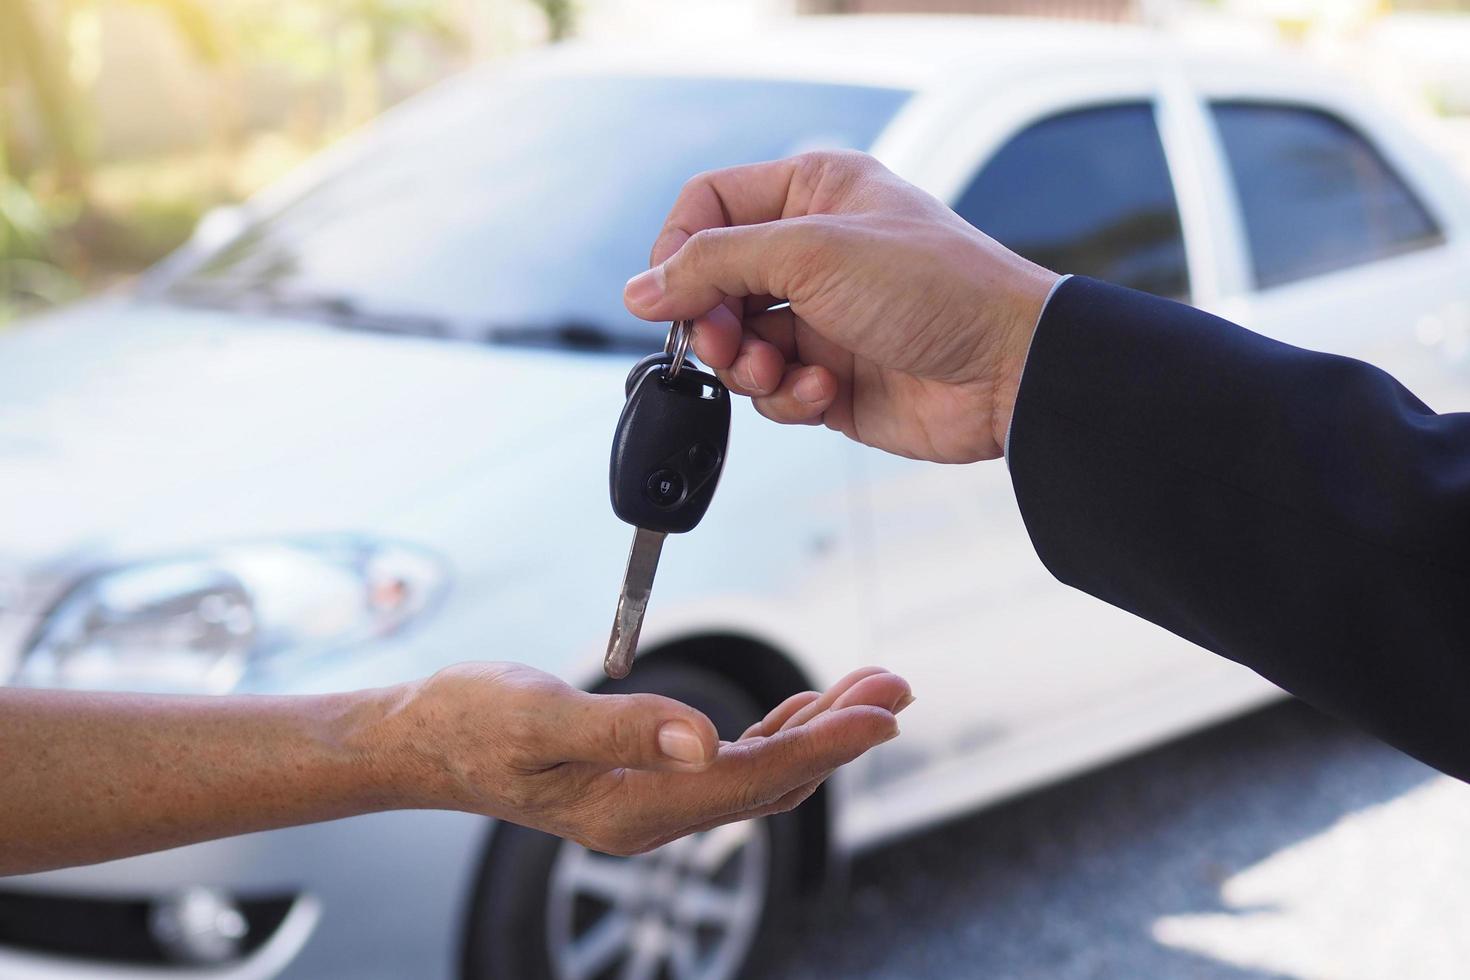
point(515, 210)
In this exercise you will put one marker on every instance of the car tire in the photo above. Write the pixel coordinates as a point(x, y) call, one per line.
point(532, 917)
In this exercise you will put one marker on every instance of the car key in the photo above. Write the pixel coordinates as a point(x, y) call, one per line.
point(667, 456)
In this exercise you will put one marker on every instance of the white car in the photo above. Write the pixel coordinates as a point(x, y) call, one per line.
point(359, 429)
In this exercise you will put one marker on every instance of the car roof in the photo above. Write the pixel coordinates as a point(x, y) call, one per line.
point(906, 51)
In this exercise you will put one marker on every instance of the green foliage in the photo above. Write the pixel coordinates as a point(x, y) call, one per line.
point(150, 228)
point(25, 230)
point(327, 38)
point(30, 63)
point(29, 275)
point(59, 225)
point(561, 16)
point(196, 24)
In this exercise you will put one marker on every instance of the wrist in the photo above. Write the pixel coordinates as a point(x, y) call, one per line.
point(1029, 288)
point(384, 750)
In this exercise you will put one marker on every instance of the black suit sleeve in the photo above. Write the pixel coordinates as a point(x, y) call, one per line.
point(1300, 513)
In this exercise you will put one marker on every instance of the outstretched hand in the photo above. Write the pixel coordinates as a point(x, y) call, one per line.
point(624, 773)
point(907, 329)
point(97, 776)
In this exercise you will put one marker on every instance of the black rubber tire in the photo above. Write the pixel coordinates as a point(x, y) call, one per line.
point(506, 928)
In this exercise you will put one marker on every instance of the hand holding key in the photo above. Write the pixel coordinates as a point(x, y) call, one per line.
point(907, 328)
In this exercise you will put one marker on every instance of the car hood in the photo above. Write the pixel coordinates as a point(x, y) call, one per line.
point(131, 427)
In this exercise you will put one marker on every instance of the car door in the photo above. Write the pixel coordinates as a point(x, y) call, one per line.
point(1351, 243)
point(1018, 674)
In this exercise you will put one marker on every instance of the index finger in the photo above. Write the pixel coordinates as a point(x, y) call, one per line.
point(748, 775)
point(745, 195)
point(803, 707)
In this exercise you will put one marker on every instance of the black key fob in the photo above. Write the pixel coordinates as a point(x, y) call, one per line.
point(669, 447)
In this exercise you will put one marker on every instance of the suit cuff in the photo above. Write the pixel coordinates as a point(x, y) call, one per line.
point(1006, 449)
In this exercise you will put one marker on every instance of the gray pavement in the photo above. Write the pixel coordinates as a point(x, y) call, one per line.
point(1283, 844)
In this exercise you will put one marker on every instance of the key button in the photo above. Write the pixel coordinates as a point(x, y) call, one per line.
point(703, 458)
point(665, 487)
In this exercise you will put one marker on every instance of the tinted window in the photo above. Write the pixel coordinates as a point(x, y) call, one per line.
point(1314, 194)
point(526, 203)
point(1086, 192)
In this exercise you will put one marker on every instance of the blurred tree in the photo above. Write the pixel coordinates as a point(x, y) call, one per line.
point(35, 52)
point(196, 23)
point(561, 17)
point(63, 207)
point(26, 241)
point(28, 63)
point(375, 28)
point(26, 270)
point(349, 42)
point(36, 76)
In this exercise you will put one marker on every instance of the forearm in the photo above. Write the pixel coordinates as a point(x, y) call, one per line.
point(1298, 512)
point(88, 777)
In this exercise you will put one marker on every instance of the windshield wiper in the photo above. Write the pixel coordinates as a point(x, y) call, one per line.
point(346, 311)
point(339, 310)
point(343, 310)
point(573, 335)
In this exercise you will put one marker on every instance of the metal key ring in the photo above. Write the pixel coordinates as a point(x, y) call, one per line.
point(677, 345)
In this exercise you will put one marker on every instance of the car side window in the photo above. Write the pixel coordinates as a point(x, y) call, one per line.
point(1086, 191)
point(1315, 195)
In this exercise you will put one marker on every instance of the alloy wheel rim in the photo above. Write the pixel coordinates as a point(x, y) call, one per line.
point(686, 911)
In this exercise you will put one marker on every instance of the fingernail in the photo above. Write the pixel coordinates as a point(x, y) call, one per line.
point(810, 389)
point(678, 741)
point(903, 702)
point(744, 376)
point(646, 288)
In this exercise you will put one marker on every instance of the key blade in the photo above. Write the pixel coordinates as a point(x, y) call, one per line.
point(633, 602)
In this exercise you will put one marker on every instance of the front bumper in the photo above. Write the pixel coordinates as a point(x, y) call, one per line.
point(379, 896)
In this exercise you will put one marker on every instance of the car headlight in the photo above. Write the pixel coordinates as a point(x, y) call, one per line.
point(196, 622)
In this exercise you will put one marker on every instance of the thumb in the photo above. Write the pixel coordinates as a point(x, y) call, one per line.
point(637, 731)
point(748, 260)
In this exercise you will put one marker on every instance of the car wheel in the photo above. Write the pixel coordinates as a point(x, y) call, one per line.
point(707, 907)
